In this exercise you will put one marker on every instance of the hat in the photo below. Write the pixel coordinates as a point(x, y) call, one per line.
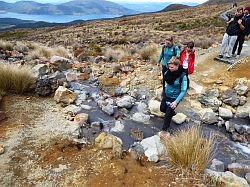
point(247, 8)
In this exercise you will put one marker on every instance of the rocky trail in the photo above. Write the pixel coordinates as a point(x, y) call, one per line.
point(42, 148)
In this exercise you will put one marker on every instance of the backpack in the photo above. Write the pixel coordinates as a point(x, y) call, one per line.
point(174, 48)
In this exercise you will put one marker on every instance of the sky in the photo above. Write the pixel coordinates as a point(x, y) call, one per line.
point(119, 1)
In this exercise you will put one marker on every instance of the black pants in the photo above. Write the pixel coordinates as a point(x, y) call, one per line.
point(240, 40)
point(169, 112)
point(186, 71)
point(164, 69)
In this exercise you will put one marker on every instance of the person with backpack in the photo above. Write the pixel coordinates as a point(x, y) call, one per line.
point(232, 32)
point(168, 51)
point(175, 89)
point(187, 59)
point(243, 32)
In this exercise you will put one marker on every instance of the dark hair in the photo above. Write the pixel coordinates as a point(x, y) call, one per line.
point(170, 38)
point(190, 45)
point(240, 9)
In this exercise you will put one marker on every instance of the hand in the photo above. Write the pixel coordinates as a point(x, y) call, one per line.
point(173, 105)
point(240, 21)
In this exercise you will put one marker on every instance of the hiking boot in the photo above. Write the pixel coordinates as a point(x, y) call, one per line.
point(220, 56)
point(237, 56)
point(233, 55)
point(228, 56)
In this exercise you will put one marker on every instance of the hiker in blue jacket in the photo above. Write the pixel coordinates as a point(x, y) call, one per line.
point(168, 51)
point(175, 90)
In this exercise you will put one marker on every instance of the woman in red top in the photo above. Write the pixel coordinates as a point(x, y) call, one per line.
point(187, 59)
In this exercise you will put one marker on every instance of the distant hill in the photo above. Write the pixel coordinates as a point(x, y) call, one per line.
point(70, 8)
point(222, 1)
point(13, 23)
point(174, 7)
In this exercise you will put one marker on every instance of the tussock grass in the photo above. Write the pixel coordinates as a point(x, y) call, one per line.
point(14, 77)
point(6, 45)
point(149, 52)
point(21, 47)
point(116, 54)
point(188, 149)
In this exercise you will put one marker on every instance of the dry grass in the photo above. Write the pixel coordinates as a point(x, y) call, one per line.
point(46, 52)
point(21, 47)
point(188, 149)
point(14, 77)
point(116, 54)
point(5, 45)
point(149, 52)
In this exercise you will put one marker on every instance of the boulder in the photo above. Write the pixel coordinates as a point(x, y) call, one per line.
point(81, 119)
point(109, 141)
point(241, 86)
point(108, 109)
point(230, 97)
point(210, 101)
point(243, 111)
point(242, 129)
point(158, 94)
point(64, 95)
point(40, 70)
point(208, 116)
point(227, 178)
point(71, 76)
point(153, 148)
point(154, 108)
point(179, 118)
point(217, 165)
point(125, 102)
point(59, 63)
point(72, 110)
point(142, 107)
point(141, 118)
point(225, 113)
point(239, 169)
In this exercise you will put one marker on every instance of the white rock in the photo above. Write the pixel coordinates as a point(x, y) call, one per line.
point(153, 148)
point(142, 107)
point(125, 102)
point(179, 118)
point(119, 127)
point(72, 110)
point(108, 109)
point(225, 113)
point(40, 69)
point(141, 118)
point(81, 118)
point(60, 168)
point(208, 116)
point(154, 108)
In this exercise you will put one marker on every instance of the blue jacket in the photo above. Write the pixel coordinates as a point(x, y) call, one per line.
point(177, 91)
point(167, 53)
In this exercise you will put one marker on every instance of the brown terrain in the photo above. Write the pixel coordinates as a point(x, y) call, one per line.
point(40, 150)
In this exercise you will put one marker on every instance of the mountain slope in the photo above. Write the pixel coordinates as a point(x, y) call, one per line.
point(69, 8)
point(174, 7)
point(222, 1)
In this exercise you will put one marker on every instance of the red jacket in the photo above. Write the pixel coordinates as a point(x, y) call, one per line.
point(191, 60)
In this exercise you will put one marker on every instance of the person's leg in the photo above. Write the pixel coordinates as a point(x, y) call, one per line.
point(224, 43)
point(168, 117)
point(231, 45)
point(164, 69)
point(186, 72)
point(241, 42)
point(236, 45)
point(163, 106)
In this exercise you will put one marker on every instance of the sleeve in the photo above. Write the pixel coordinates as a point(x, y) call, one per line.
point(183, 90)
point(161, 56)
point(177, 49)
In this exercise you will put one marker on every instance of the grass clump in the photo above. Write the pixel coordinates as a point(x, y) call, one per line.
point(14, 77)
point(149, 52)
point(189, 150)
point(5, 45)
